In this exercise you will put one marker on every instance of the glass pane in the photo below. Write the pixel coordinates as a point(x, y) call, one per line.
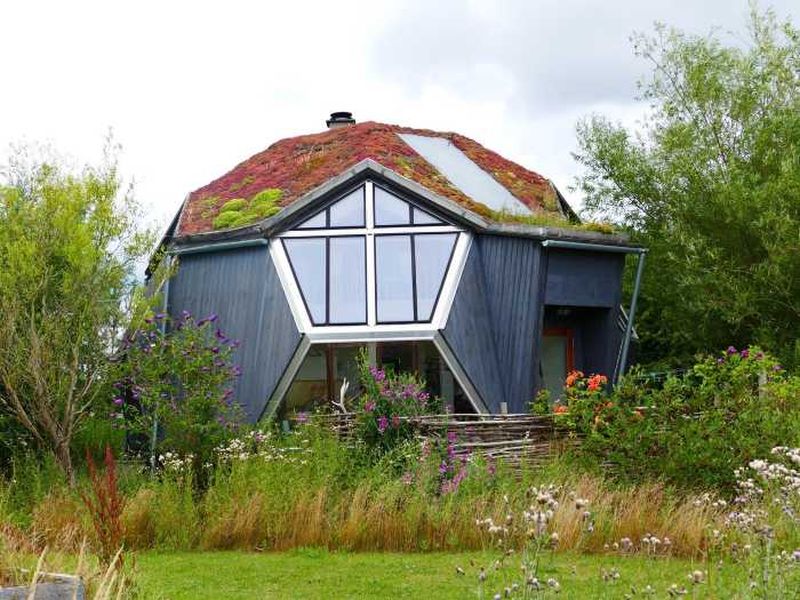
point(423, 218)
point(432, 255)
point(345, 361)
point(348, 293)
point(393, 278)
point(315, 222)
point(309, 388)
point(308, 262)
point(390, 210)
point(349, 211)
point(554, 364)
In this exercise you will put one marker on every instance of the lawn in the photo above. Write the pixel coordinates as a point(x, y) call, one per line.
point(313, 573)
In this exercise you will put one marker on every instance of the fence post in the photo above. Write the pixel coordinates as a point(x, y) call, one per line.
point(504, 408)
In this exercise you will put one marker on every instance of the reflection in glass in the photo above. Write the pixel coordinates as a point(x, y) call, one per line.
point(390, 210)
point(315, 222)
point(307, 256)
point(349, 211)
point(395, 301)
point(348, 293)
point(423, 218)
point(432, 252)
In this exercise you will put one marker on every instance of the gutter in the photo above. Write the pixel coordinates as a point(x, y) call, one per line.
point(218, 246)
point(641, 252)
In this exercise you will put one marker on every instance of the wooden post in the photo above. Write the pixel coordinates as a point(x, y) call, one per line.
point(504, 408)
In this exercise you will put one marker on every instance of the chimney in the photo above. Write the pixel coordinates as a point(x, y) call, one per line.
point(340, 119)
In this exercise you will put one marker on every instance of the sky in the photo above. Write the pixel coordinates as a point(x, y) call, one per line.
point(190, 89)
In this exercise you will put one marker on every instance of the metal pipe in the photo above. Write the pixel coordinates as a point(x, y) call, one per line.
point(631, 313)
point(220, 246)
point(593, 247)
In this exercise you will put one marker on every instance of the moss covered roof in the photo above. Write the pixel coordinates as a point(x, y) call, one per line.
point(294, 166)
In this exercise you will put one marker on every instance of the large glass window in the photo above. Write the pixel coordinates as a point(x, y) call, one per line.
point(408, 249)
point(327, 366)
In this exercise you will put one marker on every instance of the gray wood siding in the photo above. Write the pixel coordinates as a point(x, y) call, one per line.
point(580, 278)
point(469, 333)
point(512, 270)
point(242, 287)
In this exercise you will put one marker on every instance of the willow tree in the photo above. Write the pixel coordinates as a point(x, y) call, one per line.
point(70, 243)
point(710, 182)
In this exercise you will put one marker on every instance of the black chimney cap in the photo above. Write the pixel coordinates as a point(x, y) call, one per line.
point(340, 119)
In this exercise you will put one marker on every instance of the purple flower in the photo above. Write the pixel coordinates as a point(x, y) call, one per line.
point(377, 374)
point(383, 423)
point(369, 406)
point(443, 468)
point(451, 437)
point(118, 401)
point(720, 361)
point(302, 417)
point(744, 353)
point(731, 350)
point(777, 368)
point(161, 315)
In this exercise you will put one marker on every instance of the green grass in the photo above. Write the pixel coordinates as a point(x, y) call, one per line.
point(312, 573)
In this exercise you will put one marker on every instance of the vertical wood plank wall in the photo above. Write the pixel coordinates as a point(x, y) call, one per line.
point(242, 287)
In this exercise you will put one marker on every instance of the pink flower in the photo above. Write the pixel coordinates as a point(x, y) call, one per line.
point(383, 423)
point(369, 406)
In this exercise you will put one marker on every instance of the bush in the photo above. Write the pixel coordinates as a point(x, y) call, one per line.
point(388, 400)
point(695, 429)
point(178, 377)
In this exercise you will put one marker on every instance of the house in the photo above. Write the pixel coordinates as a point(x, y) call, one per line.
point(434, 253)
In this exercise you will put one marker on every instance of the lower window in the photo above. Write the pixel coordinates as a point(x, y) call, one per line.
point(326, 366)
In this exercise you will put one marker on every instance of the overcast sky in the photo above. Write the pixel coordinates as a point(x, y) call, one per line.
point(193, 88)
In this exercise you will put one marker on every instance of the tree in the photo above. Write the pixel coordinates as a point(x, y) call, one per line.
point(69, 246)
point(711, 185)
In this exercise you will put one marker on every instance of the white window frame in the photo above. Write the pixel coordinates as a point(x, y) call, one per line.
point(372, 331)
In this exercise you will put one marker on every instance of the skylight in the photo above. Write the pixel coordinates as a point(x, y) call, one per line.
point(463, 173)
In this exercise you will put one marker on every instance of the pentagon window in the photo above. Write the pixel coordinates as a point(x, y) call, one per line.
point(370, 258)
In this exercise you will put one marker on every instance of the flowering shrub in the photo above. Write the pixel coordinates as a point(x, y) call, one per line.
point(696, 428)
point(178, 376)
point(388, 402)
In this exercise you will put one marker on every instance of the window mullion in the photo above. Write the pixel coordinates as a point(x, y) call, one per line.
point(369, 197)
point(413, 277)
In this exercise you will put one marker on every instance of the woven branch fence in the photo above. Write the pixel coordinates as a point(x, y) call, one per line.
point(518, 439)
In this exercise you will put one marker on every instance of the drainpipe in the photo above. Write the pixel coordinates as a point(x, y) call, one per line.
point(631, 312)
point(566, 245)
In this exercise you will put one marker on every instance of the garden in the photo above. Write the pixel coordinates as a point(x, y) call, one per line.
point(125, 460)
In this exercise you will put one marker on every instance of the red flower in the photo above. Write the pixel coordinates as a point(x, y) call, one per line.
point(560, 409)
point(596, 382)
point(573, 378)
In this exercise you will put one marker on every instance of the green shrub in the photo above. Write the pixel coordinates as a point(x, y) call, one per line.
point(695, 429)
point(240, 212)
point(267, 196)
point(233, 205)
point(178, 376)
point(388, 400)
point(225, 220)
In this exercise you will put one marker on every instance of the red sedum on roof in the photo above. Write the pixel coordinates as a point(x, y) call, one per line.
point(300, 164)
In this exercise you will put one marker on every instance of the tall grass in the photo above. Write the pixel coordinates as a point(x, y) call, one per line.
point(310, 490)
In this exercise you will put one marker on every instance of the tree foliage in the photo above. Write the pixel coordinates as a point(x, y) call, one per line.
point(69, 246)
point(710, 183)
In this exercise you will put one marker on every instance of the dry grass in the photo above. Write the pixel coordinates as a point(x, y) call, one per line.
point(378, 514)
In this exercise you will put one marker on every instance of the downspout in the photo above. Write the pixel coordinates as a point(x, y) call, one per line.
point(163, 326)
point(566, 245)
point(631, 313)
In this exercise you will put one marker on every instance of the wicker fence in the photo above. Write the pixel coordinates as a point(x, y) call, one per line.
point(517, 439)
